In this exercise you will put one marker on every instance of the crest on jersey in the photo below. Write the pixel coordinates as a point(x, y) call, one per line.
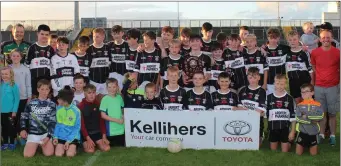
point(139, 98)
point(250, 95)
point(223, 101)
point(48, 54)
point(86, 62)
point(123, 50)
point(105, 53)
point(179, 98)
point(150, 58)
point(280, 52)
point(273, 53)
point(217, 100)
point(156, 58)
point(228, 55)
point(256, 96)
point(252, 59)
point(197, 101)
point(190, 99)
point(286, 104)
point(231, 101)
point(258, 59)
point(294, 58)
point(299, 58)
point(70, 62)
point(204, 101)
point(36, 52)
point(279, 104)
point(172, 99)
point(237, 53)
point(224, 67)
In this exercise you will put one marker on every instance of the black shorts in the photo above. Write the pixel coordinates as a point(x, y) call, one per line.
point(117, 140)
point(306, 140)
point(261, 127)
point(295, 86)
point(74, 142)
point(94, 137)
point(279, 135)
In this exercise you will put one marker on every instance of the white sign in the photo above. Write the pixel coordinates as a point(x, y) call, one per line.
point(235, 130)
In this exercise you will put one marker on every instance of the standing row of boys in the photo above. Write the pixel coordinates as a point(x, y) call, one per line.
point(194, 73)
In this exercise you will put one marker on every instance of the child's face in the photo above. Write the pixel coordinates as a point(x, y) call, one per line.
point(243, 33)
point(44, 91)
point(309, 29)
point(293, 41)
point(250, 43)
point(307, 93)
point(112, 88)
point(90, 95)
point(82, 47)
point(133, 85)
point(253, 79)
point(198, 80)
point(207, 34)
point(79, 84)
point(148, 43)
point(280, 85)
point(98, 38)
point(184, 40)
point(117, 35)
point(234, 44)
point(62, 47)
point(6, 75)
point(224, 83)
point(173, 77)
point(273, 40)
point(18, 33)
point(217, 54)
point(16, 57)
point(53, 43)
point(166, 36)
point(132, 42)
point(150, 93)
point(174, 49)
point(43, 36)
point(195, 44)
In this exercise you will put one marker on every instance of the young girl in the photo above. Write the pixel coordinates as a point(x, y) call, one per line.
point(22, 77)
point(9, 96)
point(112, 111)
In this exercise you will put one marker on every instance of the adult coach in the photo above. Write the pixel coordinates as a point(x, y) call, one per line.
point(18, 32)
point(326, 65)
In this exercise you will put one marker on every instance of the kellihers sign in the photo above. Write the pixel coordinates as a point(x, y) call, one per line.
point(233, 130)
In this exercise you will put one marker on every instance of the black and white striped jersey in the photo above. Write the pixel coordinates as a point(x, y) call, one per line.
point(99, 64)
point(224, 101)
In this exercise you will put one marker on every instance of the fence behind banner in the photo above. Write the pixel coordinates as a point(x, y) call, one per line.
point(231, 130)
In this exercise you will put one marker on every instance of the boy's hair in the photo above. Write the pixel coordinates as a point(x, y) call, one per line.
point(84, 40)
point(194, 37)
point(253, 71)
point(44, 82)
point(43, 27)
point(66, 94)
point(251, 36)
point(280, 76)
point(168, 29)
point(244, 28)
point(117, 29)
point(307, 85)
point(306, 24)
point(111, 80)
point(173, 69)
point(99, 30)
point(175, 42)
point(17, 25)
point(199, 72)
point(216, 46)
point(54, 36)
point(63, 39)
point(89, 87)
point(273, 33)
point(150, 85)
point(207, 26)
point(292, 33)
point(186, 32)
point(133, 33)
point(224, 75)
point(150, 34)
point(235, 37)
point(79, 77)
point(221, 37)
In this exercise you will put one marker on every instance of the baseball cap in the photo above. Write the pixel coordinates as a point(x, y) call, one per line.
point(325, 25)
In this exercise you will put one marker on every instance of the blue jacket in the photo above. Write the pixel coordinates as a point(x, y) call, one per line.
point(68, 123)
point(10, 97)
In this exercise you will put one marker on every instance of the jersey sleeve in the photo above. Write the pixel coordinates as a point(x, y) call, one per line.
point(306, 58)
point(262, 100)
point(184, 99)
point(24, 117)
point(138, 62)
point(240, 97)
point(29, 56)
point(207, 64)
point(268, 106)
point(209, 104)
point(265, 63)
point(51, 119)
point(292, 109)
point(121, 102)
point(163, 69)
point(103, 106)
point(76, 67)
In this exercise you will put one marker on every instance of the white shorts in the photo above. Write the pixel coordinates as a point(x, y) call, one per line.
point(36, 138)
point(100, 88)
point(270, 89)
point(118, 77)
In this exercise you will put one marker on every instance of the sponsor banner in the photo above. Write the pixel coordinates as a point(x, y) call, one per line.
point(276, 61)
point(235, 64)
point(238, 130)
point(295, 66)
point(100, 62)
point(130, 65)
point(40, 62)
point(149, 67)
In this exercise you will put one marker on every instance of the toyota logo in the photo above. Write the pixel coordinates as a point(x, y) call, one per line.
point(237, 127)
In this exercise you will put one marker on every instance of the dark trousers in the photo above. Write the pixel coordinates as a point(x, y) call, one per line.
point(7, 128)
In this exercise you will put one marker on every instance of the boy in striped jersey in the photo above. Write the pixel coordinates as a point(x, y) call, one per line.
point(281, 115)
point(83, 57)
point(224, 99)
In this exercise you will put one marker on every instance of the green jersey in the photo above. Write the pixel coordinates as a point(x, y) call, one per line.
point(8, 46)
point(113, 106)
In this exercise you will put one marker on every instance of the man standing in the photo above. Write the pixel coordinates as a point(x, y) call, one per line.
point(18, 32)
point(326, 66)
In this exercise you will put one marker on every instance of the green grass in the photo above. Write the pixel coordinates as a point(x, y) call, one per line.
point(328, 156)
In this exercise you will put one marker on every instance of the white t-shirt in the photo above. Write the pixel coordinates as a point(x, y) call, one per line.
point(78, 98)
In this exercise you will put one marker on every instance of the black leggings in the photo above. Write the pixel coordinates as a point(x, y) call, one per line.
point(8, 131)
